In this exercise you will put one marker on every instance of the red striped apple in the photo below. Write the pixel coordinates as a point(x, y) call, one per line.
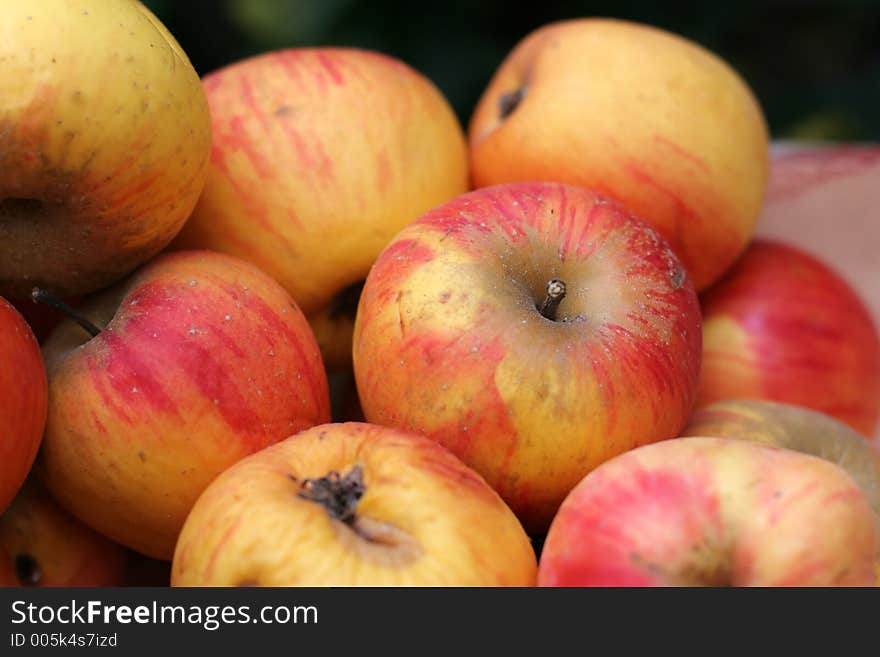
point(783, 326)
point(822, 199)
point(535, 330)
point(352, 504)
point(642, 115)
point(202, 360)
point(23, 394)
point(105, 139)
point(712, 512)
point(43, 545)
point(320, 156)
point(798, 428)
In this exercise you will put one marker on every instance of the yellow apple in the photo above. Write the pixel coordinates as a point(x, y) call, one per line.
point(320, 156)
point(637, 113)
point(105, 139)
point(352, 504)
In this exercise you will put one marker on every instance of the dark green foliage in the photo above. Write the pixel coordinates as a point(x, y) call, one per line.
point(815, 66)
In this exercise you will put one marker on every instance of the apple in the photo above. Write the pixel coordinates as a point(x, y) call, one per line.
point(320, 156)
point(637, 113)
point(536, 330)
point(783, 325)
point(712, 512)
point(43, 545)
point(352, 504)
point(794, 427)
point(23, 400)
point(105, 139)
point(202, 360)
point(811, 183)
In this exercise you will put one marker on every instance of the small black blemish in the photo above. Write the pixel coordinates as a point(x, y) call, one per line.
point(142, 456)
point(678, 277)
point(284, 110)
point(445, 297)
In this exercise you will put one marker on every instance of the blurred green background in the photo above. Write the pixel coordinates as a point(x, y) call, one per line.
point(815, 66)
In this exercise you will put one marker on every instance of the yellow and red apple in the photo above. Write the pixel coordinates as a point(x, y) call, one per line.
point(320, 156)
point(704, 511)
point(105, 139)
point(637, 113)
point(352, 504)
point(783, 325)
point(462, 335)
point(23, 401)
point(202, 360)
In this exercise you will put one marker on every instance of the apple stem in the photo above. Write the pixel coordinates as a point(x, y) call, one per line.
point(555, 295)
point(339, 495)
point(39, 295)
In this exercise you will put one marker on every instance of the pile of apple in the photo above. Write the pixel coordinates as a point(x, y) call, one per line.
point(556, 349)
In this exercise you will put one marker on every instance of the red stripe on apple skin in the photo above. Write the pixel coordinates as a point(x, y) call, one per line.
point(698, 162)
point(254, 108)
point(288, 60)
point(142, 349)
point(646, 361)
point(311, 368)
point(332, 69)
point(221, 543)
point(398, 261)
point(607, 526)
point(445, 361)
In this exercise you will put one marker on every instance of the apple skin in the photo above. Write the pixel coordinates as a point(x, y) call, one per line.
point(65, 551)
point(782, 325)
point(320, 156)
point(641, 115)
point(105, 139)
point(425, 519)
point(794, 427)
point(712, 512)
point(24, 393)
point(812, 183)
point(449, 343)
point(205, 360)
